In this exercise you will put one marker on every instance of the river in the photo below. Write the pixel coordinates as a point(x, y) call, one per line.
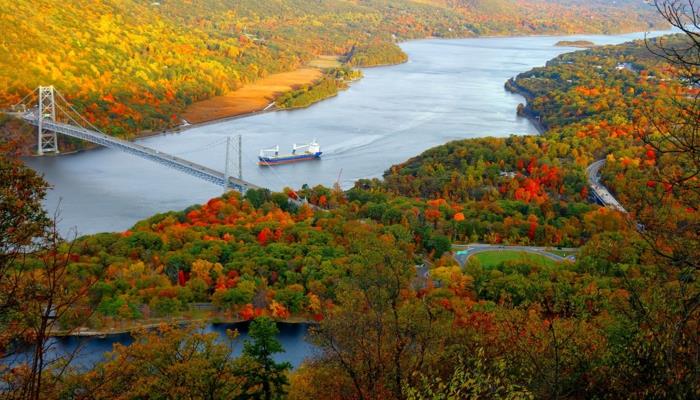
point(449, 89)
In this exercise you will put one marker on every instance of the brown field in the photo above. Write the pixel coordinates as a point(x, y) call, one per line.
point(326, 62)
point(250, 98)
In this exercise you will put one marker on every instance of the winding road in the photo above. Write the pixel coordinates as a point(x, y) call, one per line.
point(600, 192)
point(463, 252)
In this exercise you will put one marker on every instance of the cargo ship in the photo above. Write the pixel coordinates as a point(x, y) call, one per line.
point(311, 151)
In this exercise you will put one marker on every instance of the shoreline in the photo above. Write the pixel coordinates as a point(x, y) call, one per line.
point(390, 64)
point(254, 96)
point(183, 128)
point(543, 35)
point(154, 323)
point(512, 86)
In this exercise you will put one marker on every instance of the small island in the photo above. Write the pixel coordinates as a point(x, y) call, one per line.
point(575, 43)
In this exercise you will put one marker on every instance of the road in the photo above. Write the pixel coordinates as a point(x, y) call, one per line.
point(600, 192)
point(463, 252)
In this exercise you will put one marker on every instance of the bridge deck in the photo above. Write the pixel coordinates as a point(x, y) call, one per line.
point(168, 160)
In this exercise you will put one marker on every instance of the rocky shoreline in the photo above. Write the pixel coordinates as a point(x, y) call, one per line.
point(523, 110)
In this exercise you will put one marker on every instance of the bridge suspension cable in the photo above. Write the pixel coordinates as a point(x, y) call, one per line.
point(202, 148)
point(90, 124)
point(22, 101)
point(53, 107)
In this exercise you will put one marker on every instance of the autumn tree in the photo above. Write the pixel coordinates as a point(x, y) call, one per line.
point(23, 222)
point(669, 210)
point(380, 333)
point(470, 380)
point(41, 291)
point(169, 363)
point(665, 308)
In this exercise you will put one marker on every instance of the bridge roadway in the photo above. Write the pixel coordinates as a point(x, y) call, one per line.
point(168, 160)
point(600, 192)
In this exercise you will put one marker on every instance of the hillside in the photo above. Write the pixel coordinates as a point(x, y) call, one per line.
point(524, 190)
point(132, 65)
point(394, 314)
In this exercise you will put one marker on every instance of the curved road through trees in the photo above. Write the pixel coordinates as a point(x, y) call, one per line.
point(463, 252)
point(600, 192)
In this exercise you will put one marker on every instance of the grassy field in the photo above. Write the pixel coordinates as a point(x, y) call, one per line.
point(496, 257)
point(562, 253)
point(324, 62)
point(250, 98)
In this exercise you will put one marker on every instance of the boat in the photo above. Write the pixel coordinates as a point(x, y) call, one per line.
point(272, 156)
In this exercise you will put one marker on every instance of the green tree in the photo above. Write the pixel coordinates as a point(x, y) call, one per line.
point(257, 196)
point(265, 378)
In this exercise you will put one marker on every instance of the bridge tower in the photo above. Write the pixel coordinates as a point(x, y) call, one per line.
point(233, 147)
point(47, 142)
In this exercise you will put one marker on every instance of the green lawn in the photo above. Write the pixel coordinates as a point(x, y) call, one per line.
point(562, 253)
point(496, 257)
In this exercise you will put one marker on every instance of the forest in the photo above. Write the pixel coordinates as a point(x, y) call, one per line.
point(619, 321)
point(333, 80)
point(134, 66)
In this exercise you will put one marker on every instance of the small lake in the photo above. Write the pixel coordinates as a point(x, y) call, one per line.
point(91, 350)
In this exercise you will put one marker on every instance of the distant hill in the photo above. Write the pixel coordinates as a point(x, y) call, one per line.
point(131, 65)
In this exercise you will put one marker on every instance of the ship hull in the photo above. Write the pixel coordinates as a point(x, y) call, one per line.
point(268, 161)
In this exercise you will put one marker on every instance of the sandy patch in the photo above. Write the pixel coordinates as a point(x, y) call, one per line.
point(252, 97)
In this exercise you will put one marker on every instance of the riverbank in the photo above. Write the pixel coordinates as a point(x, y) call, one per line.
point(251, 98)
point(512, 86)
point(582, 44)
point(228, 107)
point(452, 89)
point(151, 323)
point(389, 64)
point(256, 97)
point(264, 95)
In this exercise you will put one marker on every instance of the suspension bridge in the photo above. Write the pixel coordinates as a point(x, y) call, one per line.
point(52, 114)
